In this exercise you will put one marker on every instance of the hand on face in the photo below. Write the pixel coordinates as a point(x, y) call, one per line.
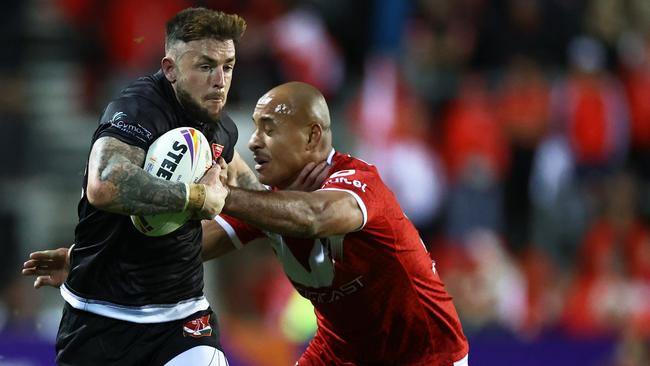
point(311, 177)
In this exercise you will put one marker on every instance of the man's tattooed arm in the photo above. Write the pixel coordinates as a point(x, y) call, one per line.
point(117, 183)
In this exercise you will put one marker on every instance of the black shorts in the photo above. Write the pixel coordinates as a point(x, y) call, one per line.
point(88, 339)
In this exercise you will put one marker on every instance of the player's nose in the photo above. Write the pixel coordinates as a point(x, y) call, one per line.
point(218, 78)
point(255, 142)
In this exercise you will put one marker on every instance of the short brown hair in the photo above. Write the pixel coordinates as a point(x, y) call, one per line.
point(193, 24)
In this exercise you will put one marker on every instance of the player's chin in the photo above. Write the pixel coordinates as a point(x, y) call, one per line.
point(213, 108)
point(267, 177)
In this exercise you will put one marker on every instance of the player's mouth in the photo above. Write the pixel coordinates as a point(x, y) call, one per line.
point(214, 98)
point(261, 162)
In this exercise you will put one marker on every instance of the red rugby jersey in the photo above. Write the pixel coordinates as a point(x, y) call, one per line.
point(376, 293)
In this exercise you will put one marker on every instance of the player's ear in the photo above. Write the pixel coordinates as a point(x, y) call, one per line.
point(168, 67)
point(315, 134)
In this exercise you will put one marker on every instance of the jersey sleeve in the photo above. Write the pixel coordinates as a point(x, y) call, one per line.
point(130, 121)
point(362, 185)
point(239, 232)
point(233, 134)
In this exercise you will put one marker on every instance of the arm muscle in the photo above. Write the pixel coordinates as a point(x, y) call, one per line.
point(117, 183)
point(298, 214)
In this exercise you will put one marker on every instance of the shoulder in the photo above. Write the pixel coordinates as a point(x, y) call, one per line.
point(138, 115)
point(346, 162)
point(229, 125)
point(149, 95)
point(226, 136)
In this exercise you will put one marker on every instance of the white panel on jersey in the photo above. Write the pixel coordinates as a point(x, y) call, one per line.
point(199, 356)
point(154, 313)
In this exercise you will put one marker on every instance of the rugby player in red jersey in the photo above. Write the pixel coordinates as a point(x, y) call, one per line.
point(347, 246)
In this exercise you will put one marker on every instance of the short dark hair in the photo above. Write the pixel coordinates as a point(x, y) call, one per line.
point(193, 24)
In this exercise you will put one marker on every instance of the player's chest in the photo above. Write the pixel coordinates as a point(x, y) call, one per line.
point(310, 262)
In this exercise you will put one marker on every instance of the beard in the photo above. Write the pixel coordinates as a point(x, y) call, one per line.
point(194, 109)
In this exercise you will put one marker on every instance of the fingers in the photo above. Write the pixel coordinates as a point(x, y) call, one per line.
point(305, 172)
point(45, 281)
point(44, 263)
point(318, 175)
point(223, 176)
point(52, 254)
point(37, 272)
point(222, 163)
point(211, 175)
point(45, 254)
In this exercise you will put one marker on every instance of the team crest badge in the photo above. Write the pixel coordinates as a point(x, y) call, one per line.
point(216, 151)
point(197, 328)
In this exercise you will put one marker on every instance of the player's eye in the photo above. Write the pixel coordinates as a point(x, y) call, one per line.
point(205, 67)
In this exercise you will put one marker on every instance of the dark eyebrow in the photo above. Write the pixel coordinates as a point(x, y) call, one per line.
point(265, 120)
point(210, 60)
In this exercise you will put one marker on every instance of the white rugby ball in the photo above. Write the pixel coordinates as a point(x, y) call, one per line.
point(180, 155)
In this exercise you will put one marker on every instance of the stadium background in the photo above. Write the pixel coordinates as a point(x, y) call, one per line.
point(516, 134)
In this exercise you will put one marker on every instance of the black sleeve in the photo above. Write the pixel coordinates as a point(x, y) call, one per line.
point(233, 135)
point(132, 121)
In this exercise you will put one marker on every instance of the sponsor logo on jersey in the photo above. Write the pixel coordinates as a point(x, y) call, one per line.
point(333, 294)
point(340, 177)
point(119, 121)
point(197, 328)
point(216, 151)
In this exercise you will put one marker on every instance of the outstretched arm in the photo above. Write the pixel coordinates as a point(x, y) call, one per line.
point(297, 214)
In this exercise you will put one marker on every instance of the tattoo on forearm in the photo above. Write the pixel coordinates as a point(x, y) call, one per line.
point(138, 193)
point(248, 180)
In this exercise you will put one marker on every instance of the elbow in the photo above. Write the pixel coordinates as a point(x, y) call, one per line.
point(99, 194)
point(311, 225)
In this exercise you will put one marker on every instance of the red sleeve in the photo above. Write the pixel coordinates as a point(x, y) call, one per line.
point(240, 233)
point(363, 185)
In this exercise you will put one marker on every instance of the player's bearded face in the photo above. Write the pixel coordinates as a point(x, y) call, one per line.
point(204, 76)
point(194, 108)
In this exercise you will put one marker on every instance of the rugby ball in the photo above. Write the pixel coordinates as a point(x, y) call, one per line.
point(180, 155)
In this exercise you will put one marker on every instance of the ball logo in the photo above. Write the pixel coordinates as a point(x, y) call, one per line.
point(168, 166)
point(193, 141)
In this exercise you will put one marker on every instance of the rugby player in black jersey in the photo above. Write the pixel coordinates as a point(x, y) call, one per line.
point(123, 305)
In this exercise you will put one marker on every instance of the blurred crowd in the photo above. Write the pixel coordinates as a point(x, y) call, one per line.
point(515, 133)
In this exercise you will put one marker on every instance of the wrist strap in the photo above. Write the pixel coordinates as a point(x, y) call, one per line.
point(196, 198)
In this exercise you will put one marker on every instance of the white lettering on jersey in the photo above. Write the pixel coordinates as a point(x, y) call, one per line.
point(339, 177)
point(343, 173)
point(330, 295)
point(321, 261)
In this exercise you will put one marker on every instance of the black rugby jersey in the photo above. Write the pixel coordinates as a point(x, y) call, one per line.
point(112, 263)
